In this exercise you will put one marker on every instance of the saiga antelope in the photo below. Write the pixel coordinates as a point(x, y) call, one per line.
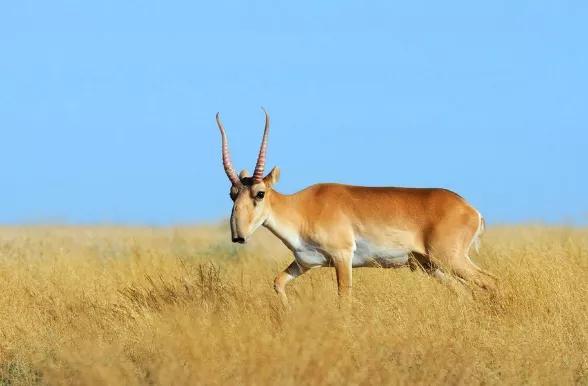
point(354, 226)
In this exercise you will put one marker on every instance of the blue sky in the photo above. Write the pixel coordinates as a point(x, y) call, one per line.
point(107, 108)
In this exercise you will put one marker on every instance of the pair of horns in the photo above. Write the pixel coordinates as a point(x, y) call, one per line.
point(228, 165)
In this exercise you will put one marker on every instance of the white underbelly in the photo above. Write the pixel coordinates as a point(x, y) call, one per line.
point(311, 258)
point(368, 254)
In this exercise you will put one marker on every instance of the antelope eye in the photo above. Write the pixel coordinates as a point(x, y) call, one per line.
point(260, 195)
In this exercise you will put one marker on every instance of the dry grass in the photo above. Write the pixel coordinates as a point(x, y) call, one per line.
point(183, 306)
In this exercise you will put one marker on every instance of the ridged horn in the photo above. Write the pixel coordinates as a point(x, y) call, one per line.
point(227, 164)
point(260, 165)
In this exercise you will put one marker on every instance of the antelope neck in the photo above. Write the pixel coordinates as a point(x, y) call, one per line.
point(284, 219)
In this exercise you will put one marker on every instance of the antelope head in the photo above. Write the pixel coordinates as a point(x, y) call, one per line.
point(250, 194)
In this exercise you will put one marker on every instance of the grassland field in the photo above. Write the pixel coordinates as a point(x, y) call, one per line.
point(163, 306)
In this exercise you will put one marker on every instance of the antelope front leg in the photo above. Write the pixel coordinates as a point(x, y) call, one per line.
point(342, 261)
point(293, 271)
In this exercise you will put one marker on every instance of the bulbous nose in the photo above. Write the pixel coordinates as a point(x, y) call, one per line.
point(239, 240)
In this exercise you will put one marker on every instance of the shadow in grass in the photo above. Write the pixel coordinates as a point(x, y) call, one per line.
point(18, 373)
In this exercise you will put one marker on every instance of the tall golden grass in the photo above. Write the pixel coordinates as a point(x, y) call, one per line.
point(184, 306)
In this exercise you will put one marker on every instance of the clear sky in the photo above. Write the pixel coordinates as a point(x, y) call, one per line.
point(107, 107)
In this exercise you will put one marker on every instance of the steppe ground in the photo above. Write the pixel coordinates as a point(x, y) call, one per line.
point(102, 305)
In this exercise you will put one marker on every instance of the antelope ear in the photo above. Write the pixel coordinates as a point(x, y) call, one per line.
point(244, 174)
point(272, 177)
